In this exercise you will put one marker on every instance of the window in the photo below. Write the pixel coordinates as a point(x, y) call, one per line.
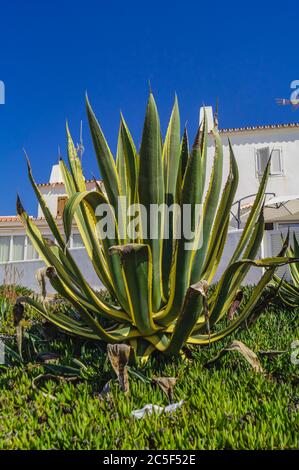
point(14, 248)
point(77, 241)
point(4, 249)
point(18, 249)
point(262, 157)
point(276, 162)
point(61, 203)
point(31, 253)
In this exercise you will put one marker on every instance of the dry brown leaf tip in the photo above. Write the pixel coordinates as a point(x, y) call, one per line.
point(119, 355)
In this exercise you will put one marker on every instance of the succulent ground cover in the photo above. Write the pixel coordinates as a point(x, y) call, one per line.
point(227, 406)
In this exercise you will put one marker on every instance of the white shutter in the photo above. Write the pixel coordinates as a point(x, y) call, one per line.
point(263, 155)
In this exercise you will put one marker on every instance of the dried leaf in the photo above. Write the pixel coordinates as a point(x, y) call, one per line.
point(271, 353)
point(41, 279)
point(118, 355)
point(240, 347)
point(18, 313)
point(47, 357)
point(235, 305)
point(167, 385)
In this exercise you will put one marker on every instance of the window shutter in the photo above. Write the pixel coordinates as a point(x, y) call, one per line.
point(61, 203)
point(263, 155)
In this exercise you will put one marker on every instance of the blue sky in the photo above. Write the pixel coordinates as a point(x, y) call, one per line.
point(51, 52)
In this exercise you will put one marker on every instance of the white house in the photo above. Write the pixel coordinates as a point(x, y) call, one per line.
point(252, 147)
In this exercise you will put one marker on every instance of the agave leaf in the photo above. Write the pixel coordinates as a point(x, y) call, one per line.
point(254, 214)
point(151, 191)
point(142, 350)
point(94, 200)
point(121, 166)
point(188, 317)
point(130, 159)
point(221, 222)
point(137, 265)
point(87, 232)
point(191, 196)
point(75, 163)
point(105, 158)
point(48, 255)
point(227, 291)
point(203, 136)
point(46, 211)
point(209, 209)
point(171, 155)
point(201, 339)
point(184, 157)
point(171, 160)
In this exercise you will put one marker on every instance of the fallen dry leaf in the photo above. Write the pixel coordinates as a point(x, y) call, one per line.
point(241, 348)
point(118, 355)
point(167, 385)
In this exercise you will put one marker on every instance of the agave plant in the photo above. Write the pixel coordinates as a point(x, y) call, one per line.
point(289, 291)
point(161, 288)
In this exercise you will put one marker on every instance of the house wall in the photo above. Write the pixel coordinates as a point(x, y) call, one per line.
point(51, 193)
point(23, 272)
point(245, 145)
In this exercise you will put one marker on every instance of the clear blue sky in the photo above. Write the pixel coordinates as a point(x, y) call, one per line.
point(51, 52)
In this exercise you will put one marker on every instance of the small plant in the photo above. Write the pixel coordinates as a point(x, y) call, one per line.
point(289, 291)
point(5, 309)
point(161, 287)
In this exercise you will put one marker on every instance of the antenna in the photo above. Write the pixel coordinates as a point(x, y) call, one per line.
point(80, 146)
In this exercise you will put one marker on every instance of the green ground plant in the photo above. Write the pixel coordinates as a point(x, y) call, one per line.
point(228, 406)
point(289, 290)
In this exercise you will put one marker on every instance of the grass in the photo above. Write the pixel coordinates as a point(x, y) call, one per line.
point(228, 407)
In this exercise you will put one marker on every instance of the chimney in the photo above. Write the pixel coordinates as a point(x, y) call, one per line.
point(56, 175)
point(210, 117)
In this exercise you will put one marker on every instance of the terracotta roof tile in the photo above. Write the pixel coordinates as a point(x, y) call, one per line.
point(62, 184)
point(9, 218)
